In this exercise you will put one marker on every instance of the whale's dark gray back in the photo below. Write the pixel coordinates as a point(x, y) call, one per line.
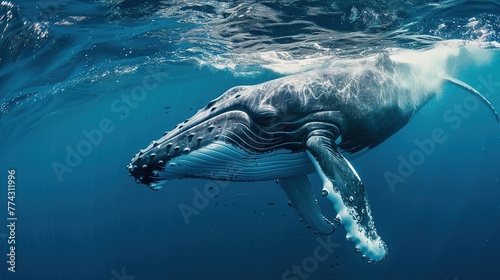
point(372, 99)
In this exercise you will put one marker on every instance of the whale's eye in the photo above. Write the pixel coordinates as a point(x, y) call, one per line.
point(267, 113)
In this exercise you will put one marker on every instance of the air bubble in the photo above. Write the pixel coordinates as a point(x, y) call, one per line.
point(324, 193)
point(351, 199)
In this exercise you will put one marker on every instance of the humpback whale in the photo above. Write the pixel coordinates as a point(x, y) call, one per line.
point(290, 127)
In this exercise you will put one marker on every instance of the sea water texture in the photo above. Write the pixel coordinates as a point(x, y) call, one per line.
point(86, 84)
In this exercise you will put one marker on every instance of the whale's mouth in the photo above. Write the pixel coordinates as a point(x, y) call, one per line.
point(223, 161)
point(197, 149)
point(147, 176)
point(149, 164)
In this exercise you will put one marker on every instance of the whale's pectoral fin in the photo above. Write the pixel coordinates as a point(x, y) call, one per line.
point(343, 187)
point(302, 198)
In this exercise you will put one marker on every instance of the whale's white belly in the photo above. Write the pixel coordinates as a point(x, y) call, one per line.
point(223, 161)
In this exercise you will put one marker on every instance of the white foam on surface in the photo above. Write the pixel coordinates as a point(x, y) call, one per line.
point(429, 58)
point(280, 62)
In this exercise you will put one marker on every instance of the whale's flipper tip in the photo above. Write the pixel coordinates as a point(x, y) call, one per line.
point(472, 90)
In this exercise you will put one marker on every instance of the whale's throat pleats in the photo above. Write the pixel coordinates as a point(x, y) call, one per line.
point(223, 161)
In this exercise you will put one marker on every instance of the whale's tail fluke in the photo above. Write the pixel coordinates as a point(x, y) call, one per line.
point(470, 89)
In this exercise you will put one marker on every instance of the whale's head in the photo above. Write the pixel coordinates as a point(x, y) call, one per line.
point(221, 141)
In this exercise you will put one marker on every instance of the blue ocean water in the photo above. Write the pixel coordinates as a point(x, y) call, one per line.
point(86, 84)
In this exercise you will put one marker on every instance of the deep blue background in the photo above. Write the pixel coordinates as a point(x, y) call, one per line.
point(440, 223)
